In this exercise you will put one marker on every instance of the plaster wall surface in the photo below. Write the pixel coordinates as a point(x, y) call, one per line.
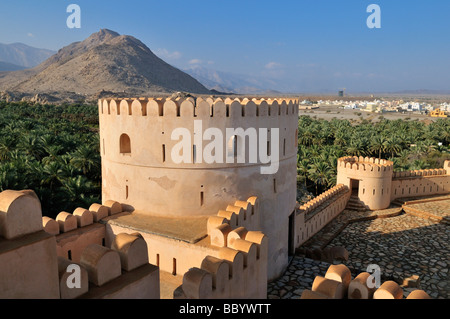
point(141, 173)
point(29, 267)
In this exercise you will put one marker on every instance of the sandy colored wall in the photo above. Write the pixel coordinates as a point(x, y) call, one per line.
point(374, 178)
point(150, 182)
point(29, 267)
point(186, 255)
point(420, 186)
point(306, 227)
point(77, 240)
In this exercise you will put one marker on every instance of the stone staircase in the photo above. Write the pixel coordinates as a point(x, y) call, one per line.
point(355, 204)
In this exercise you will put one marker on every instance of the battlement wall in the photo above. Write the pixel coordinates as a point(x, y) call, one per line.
point(313, 204)
point(74, 232)
point(242, 214)
point(31, 268)
point(420, 183)
point(315, 214)
point(104, 270)
point(237, 270)
point(149, 138)
point(418, 173)
point(189, 107)
point(365, 167)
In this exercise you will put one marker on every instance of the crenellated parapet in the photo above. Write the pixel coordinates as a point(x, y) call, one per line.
point(190, 107)
point(103, 271)
point(238, 271)
point(31, 265)
point(323, 198)
point(75, 231)
point(366, 166)
point(318, 212)
point(240, 214)
point(81, 217)
point(422, 172)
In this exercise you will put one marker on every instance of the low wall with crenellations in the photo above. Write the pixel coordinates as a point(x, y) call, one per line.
point(312, 216)
point(74, 232)
point(33, 264)
point(230, 262)
point(419, 183)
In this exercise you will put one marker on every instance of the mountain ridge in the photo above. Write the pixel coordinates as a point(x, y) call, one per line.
point(105, 61)
point(23, 55)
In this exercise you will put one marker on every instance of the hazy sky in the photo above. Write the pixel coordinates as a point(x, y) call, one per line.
point(303, 45)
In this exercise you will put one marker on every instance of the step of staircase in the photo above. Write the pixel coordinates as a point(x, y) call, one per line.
point(355, 204)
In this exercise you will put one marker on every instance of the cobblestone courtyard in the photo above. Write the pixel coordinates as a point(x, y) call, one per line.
point(401, 244)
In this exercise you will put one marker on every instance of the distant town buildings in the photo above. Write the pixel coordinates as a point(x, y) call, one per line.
point(382, 106)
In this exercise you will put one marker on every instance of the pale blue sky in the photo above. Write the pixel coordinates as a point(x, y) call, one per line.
point(305, 46)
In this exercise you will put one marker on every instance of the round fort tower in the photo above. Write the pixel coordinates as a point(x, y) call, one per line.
point(369, 179)
point(140, 142)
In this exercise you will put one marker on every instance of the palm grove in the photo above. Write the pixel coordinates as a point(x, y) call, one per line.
point(54, 150)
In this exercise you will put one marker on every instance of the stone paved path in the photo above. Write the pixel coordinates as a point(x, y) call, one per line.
point(298, 277)
point(402, 245)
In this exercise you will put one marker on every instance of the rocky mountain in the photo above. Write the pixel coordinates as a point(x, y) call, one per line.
point(23, 55)
point(230, 82)
point(106, 61)
point(5, 66)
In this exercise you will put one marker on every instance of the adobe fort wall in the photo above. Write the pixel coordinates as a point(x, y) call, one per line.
point(421, 183)
point(32, 267)
point(139, 171)
point(370, 177)
point(145, 176)
point(315, 214)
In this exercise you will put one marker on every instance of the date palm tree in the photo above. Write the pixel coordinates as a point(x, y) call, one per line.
point(302, 169)
point(378, 145)
point(320, 173)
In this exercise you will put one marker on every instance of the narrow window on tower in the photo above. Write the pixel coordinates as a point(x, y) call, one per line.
point(201, 198)
point(164, 153)
point(194, 153)
point(174, 270)
point(274, 185)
